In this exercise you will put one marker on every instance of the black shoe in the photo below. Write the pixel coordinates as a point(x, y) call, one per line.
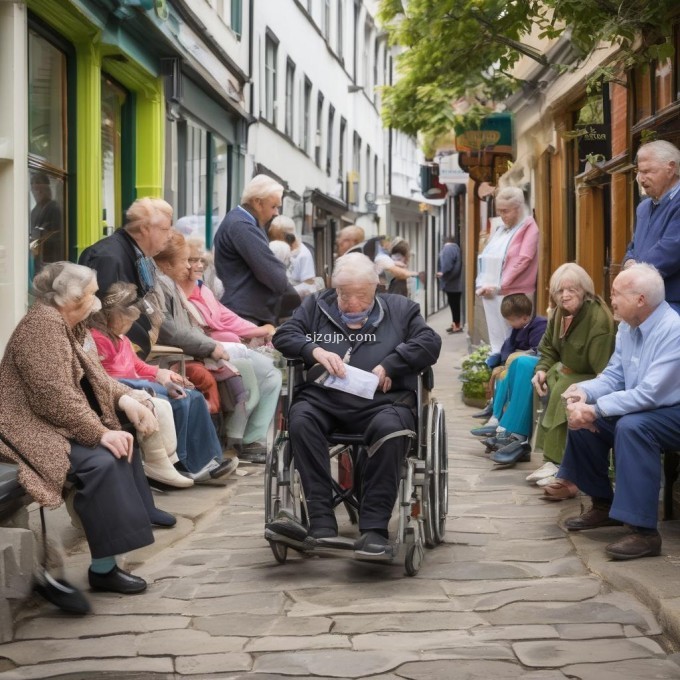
point(323, 532)
point(516, 452)
point(286, 525)
point(62, 594)
point(487, 412)
point(160, 518)
point(252, 453)
point(500, 442)
point(226, 467)
point(116, 581)
point(372, 544)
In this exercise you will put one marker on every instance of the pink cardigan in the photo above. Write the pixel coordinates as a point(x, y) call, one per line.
point(121, 361)
point(520, 267)
point(221, 323)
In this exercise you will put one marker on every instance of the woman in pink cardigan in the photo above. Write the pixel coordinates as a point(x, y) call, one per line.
point(509, 262)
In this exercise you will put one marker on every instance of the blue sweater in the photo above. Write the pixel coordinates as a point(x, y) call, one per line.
point(522, 339)
point(657, 240)
point(254, 279)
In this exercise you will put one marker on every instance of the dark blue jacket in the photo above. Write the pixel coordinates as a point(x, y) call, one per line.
point(657, 240)
point(395, 336)
point(254, 279)
point(523, 339)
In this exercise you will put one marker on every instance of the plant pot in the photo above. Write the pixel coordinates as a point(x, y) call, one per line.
point(477, 402)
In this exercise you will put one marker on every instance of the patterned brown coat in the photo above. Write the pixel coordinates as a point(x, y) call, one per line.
point(42, 404)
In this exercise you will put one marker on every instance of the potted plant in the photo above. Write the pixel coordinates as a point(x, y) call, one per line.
point(475, 376)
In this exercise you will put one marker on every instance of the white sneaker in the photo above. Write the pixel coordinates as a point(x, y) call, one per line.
point(546, 481)
point(548, 469)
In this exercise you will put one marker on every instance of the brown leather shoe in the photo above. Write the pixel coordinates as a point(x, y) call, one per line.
point(635, 545)
point(597, 516)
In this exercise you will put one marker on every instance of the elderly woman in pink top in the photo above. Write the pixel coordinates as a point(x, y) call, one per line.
point(509, 263)
point(222, 324)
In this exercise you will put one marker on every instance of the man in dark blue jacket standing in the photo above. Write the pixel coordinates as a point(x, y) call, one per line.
point(254, 280)
point(384, 335)
point(657, 220)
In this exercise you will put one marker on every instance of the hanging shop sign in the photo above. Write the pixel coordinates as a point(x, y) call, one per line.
point(484, 153)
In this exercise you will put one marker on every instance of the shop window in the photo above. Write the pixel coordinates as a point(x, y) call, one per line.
point(220, 185)
point(202, 192)
point(271, 49)
point(340, 19)
point(113, 101)
point(341, 155)
point(47, 157)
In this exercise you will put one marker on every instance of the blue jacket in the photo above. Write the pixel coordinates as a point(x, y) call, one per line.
point(254, 279)
point(522, 339)
point(657, 240)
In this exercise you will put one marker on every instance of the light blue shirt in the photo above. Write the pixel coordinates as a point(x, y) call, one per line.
point(644, 371)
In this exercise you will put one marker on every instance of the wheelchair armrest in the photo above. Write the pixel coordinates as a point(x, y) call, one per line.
point(427, 378)
point(294, 362)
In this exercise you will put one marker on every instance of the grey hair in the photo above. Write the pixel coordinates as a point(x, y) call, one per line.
point(572, 272)
point(61, 283)
point(284, 223)
point(644, 279)
point(261, 186)
point(147, 211)
point(353, 268)
point(513, 196)
point(663, 152)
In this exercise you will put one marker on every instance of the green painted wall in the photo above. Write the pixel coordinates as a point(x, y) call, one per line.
point(114, 52)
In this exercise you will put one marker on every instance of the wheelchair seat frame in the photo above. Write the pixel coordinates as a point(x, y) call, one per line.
point(422, 499)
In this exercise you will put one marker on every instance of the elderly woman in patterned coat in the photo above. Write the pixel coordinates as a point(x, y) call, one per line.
point(58, 416)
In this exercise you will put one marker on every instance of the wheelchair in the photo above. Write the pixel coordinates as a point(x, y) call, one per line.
point(422, 499)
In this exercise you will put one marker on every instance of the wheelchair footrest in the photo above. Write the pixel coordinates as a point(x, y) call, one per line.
point(337, 543)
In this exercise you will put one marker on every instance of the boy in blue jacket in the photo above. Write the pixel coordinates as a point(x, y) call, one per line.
point(512, 398)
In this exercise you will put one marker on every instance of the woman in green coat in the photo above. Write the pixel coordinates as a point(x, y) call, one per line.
point(576, 346)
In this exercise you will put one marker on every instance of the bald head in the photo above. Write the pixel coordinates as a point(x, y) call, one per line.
point(636, 293)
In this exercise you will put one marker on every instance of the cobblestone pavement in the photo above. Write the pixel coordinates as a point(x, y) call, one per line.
point(507, 595)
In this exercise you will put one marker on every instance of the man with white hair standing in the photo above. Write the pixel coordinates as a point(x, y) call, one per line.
point(634, 406)
point(254, 279)
point(657, 221)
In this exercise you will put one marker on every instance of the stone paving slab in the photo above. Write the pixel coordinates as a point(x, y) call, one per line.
point(558, 653)
point(471, 670)
point(415, 621)
point(636, 669)
point(88, 668)
point(255, 626)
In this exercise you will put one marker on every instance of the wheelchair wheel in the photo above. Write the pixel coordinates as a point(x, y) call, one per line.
point(439, 481)
point(435, 492)
point(414, 559)
point(277, 495)
point(280, 551)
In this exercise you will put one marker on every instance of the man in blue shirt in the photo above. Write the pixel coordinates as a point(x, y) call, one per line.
point(657, 221)
point(634, 406)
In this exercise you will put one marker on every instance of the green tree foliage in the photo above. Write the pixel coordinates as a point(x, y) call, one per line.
point(466, 48)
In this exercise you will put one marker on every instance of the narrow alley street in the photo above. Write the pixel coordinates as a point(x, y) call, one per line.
point(508, 594)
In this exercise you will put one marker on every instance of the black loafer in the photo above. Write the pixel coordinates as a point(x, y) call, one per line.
point(116, 581)
point(160, 518)
point(62, 594)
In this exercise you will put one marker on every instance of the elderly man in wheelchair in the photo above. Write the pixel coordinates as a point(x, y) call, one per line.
point(363, 354)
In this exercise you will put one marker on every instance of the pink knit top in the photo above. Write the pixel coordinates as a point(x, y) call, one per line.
point(120, 361)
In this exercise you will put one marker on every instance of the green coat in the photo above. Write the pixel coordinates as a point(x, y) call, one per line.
point(585, 351)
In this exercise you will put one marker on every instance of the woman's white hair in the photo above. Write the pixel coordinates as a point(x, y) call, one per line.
point(570, 271)
point(261, 186)
point(512, 196)
point(644, 279)
point(61, 283)
point(663, 152)
point(353, 268)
